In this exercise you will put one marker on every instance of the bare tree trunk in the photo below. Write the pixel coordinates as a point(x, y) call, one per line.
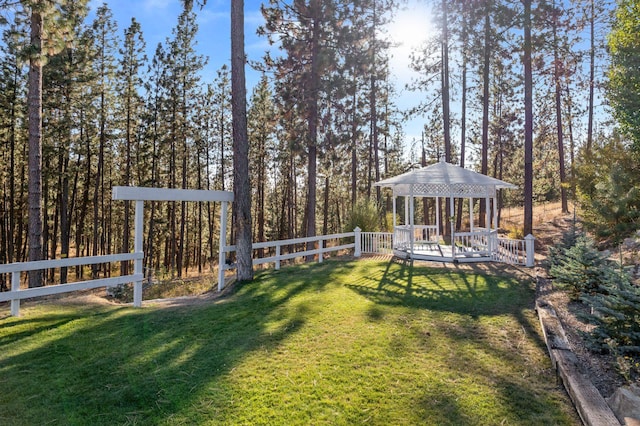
point(528, 122)
point(484, 162)
point(558, 101)
point(463, 107)
point(592, 66)
point(445, 84)
point(241, 183)
point(312, 123)
point(35, 148)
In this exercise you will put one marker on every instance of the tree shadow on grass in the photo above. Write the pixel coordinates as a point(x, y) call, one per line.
point(457, 291)
point(470, 295)
point(125, 365)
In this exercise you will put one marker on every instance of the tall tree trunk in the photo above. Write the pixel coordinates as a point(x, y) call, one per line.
point(312, 123)
point(463, 108)
point(354, 150)
point(35, 147)
point(374, 109)
point(528, 122)
point(558, 101)
point(592, 67)
point(445, 84)
point(241, 183)
point(484, 155)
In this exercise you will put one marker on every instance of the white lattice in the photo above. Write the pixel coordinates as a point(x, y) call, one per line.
point(459, 190)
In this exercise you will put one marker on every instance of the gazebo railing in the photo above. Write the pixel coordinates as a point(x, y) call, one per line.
point(476, 242)
point(401, 238)
point(510, 251)
point(422, 232)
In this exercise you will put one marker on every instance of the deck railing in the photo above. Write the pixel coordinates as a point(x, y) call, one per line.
point(511, 251)
point(401, 238)
point(477, 242)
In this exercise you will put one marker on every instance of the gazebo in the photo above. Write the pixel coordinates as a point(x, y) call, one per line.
point(444, 181)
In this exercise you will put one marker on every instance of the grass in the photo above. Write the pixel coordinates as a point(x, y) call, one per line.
point(340, 343)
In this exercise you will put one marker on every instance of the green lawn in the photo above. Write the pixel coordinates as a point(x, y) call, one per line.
point(338, 343)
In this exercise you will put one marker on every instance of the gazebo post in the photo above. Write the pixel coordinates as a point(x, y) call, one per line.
point(406, 210)
point(394, 211)
point(411, 219)
point(453, 225)
point(495, 211)
point(471, 214)
point(487, 212)
point(438, 220)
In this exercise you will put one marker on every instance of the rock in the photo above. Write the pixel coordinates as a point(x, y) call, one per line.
point(625, 403)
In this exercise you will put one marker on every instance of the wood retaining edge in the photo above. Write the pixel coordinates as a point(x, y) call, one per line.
point(590, 405)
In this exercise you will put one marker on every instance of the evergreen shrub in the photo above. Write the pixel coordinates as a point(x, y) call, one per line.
point(580, 268)
point(616, 316)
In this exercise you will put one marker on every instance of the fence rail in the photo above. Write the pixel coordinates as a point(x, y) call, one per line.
point(320, 250)
point(16, 294)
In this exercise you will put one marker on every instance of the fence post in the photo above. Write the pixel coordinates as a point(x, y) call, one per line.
point(278, 257)
point(320, 247)
point(529, 243)
point(223, 243)
point(137, 247)
point(357, 252)
point(15, 287)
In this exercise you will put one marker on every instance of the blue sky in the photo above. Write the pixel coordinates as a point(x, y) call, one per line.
point(158, 18)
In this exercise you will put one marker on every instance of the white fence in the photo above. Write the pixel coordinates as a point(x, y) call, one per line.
point(16, 294)
point(519, 252)
point(320, 244)
point(376, 242)
point(511, 251)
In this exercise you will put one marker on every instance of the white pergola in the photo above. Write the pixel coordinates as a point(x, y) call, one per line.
point(445, 181)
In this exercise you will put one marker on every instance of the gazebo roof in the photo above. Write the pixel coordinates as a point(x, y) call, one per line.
point(444, 180)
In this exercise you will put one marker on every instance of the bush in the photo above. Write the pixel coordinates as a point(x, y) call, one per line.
point(365, 215)
point(567, 241)
point(581, 268)
point(616, 316)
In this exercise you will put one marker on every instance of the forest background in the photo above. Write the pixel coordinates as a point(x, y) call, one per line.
point(323, 120)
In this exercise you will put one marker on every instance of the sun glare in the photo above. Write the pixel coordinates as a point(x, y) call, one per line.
point(410, 27)
point(408, 30)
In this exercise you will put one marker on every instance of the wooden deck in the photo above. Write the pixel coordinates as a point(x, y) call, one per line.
point(442, 253)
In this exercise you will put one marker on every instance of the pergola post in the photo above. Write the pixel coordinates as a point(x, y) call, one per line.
point(223, 243)
point(137, 247)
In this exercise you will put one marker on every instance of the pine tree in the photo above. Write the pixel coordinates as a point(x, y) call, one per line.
point(132, 59)
point(105, 42)
point(616, 317)
point(241, 184)
point(624, 73)
point(581, 268)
